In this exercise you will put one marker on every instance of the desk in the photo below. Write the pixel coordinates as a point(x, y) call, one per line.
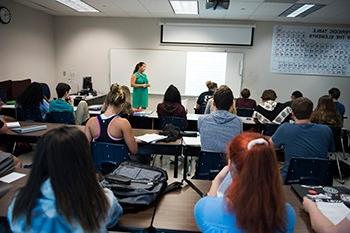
point(5, 200)
point(175, 210)
point(163, 148)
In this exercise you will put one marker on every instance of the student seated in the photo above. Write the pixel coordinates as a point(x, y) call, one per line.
point(303, 138)
point(62, 193)
point(171, 105)
point(64, 104)
point(3, 130)
point(295, 95)
point(335, 94)
point(219, 127)
point(28, 104)
point(321, 223)
point(244, 101)
point(110, 127)
point(205, 97)
point(271, 111)
point(60, 104)
point(254, 201)
point(326, 113)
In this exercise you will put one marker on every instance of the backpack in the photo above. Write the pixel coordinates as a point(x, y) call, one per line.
point(135, 185)
point(173, 132)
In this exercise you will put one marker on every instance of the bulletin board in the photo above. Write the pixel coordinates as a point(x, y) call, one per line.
point(311, 50)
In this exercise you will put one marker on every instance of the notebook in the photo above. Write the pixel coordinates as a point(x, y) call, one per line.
point(29, 128)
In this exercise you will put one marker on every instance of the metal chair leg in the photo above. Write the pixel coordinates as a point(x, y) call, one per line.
point(340, 180)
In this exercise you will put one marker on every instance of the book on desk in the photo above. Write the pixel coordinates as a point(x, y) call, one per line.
point(16, 127)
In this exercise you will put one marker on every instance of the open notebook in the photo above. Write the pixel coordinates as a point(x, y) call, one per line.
point(148, 138)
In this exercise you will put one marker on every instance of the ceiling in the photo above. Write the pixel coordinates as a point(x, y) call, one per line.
point(335, 11)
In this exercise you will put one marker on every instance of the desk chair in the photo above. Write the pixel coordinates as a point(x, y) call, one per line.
point(209, 165)
point(108, 156)
point(176, 121)
point(245, 112)
point(339, 148)
point(310, 171)
point(64, 117)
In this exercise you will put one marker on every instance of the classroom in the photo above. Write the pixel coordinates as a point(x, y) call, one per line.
point(49, 42)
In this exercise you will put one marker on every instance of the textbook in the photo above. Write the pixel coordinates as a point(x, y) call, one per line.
point(148, 138)
point(29, 128)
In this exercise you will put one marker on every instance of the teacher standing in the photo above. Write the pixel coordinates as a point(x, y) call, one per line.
point(139, 82)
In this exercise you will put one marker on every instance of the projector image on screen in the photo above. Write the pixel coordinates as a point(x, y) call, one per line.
point(224, 4)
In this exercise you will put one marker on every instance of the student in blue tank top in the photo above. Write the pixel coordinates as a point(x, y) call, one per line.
point(110, 127)
point(254, 201)
point(62, 193)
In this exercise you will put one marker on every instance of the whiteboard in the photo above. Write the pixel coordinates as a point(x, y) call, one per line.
point(165, 67)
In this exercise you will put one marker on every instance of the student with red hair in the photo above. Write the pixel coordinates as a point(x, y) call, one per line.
point(254, 201)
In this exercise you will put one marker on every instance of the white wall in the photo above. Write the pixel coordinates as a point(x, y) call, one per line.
point(27, 45)
point(83, 44)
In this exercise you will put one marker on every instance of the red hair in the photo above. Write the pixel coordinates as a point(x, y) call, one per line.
point(255, 195)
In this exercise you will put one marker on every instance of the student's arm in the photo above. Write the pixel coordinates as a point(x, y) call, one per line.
point(133, 83)
point(321, 223)
point(215, 184)
point(115, 210)
point(128, 136)
point(87, 129)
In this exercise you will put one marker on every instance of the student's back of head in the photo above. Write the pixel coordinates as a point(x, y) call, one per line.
point(63, 157)
point(212, 86)
point(269, 94)
point(223, 98)
point(302, 108)
point(62, 89)
point(245, 93)
point(334, 93)
point(296, 94)
point(255, 195)
point(115, 96)
point(32, 96)
point(172, 95)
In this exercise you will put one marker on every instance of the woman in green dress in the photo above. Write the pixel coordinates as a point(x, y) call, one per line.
point(140, 84)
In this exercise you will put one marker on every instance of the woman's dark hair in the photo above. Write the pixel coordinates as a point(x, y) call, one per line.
point(32, 96)
point(255, 194)
point(63, 156)
point(245, 93)
point(138, 66)
point(61, 89)
point(116, 96)
point(46, 90)
point(172, 95)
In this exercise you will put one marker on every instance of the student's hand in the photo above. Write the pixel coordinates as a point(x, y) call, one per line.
point(308, 204)
point(222, 174)
point(215, 184)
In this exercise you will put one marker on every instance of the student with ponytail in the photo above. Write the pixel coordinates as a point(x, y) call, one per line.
point(254, 201)
point(110, 127)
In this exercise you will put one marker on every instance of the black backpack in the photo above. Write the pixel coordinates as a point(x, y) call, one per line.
point(135, 185)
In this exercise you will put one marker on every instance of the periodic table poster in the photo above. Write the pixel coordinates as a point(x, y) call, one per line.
point(310, 50)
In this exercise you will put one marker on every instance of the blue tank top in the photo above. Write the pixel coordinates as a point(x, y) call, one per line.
point(104, 135)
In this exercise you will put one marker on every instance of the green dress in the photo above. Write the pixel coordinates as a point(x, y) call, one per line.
point(140, 94)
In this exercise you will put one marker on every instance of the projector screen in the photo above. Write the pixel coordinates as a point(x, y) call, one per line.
point(188, 71)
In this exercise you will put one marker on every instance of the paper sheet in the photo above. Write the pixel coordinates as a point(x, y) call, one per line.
point(335, 212)
point(150, 137)
point(192, 141)
point(13, 124)
point(12, 177)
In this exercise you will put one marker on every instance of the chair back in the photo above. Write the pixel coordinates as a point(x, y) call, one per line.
point(108, 156)
point(245, 112)
point(269, 129)
point(64, 117)
point(209, 165)
point(28, 114)
point(176, 121)
point(310, 171)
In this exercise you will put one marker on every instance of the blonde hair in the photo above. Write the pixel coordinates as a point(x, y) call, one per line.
point(127, 93)
point(115, 96)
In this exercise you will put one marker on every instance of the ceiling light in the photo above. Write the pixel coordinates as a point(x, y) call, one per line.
point(78, 5)
point(301, 10)
point(184, 7)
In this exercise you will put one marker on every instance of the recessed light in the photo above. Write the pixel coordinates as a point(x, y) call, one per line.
point(301, 10)
point(185, 7)
point(78, 5)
